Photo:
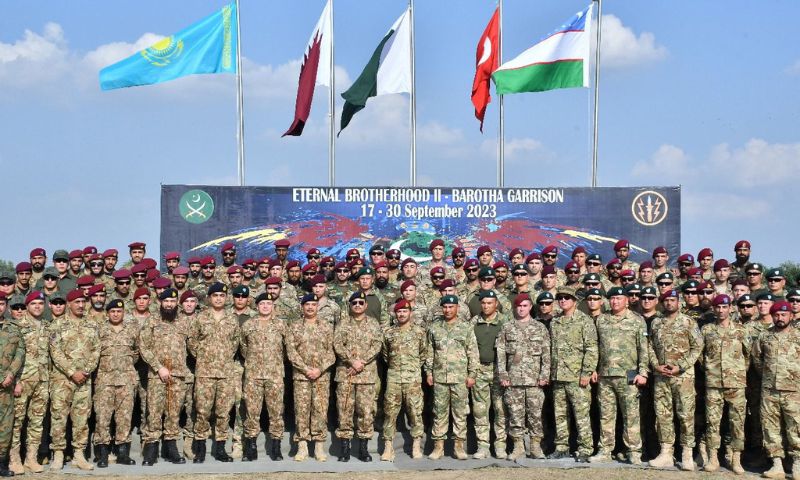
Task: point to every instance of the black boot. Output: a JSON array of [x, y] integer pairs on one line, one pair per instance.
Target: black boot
[[276, 449], [344, 454], [173, 455], [101, 454], [150, 454], [124, 454], [249, 449], [219, 453], [164, 453], [4, 471], [199, 449], [363, 453]]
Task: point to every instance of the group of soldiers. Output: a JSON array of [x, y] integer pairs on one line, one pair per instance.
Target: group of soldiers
[[529, 350]]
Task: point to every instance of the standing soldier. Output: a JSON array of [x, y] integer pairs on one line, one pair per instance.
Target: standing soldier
[[263, 347], [75, 351], [675, 346], [404, 351], [450, 366], [12, 355], [726, 354], [243, 312], [188, 311], [357, 342], [776, 353], [163, 342], [213, 341], [309, 348], [621, 370], [574, 352], [115, 384], [328, 309], [523, 365]]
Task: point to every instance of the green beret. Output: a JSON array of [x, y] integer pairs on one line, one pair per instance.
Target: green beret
[[241, 291], [754, 266], [545, 297], [666, 276], [591, 277], [689, 285], [486, 272], [632, 287], [615, 292], [448, 300], [649, 292], [365, 271], [765, 296], [594, 292], [487, 294]]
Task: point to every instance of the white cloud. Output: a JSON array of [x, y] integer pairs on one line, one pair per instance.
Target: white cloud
[[723, 206], [113, 52], [622, 48], [758, 163], [668, 162], [35, 47]]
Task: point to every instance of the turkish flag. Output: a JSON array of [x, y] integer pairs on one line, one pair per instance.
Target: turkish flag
[[486, 57]]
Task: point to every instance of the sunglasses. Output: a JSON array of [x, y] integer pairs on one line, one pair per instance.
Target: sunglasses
[[664, 284], [545, 303], [748, 305], [793, 300], [358, 302], [229, 254], [209, 267], [521, 274], [95, 264], [594, 299], [50, 279], [342, 270], [140, 275], [240, 296], [633, 294], [6, 283], [487, 279], [753, 274], [309, 274], [250, 267], [460, 255], [592, 284], [313, 256], [58, 303], [377, 254], [394, 256], [438, 277], [691, 293], [593, 264], [18, 307], [774, 280], [60, 260], [472, 269], [561, 298], [550, 255], [615, 267], [648, 298], [708, 292]]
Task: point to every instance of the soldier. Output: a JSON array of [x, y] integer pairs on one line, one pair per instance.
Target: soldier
[[434, 308], [459, 256], [621, 371], [213, 341], [341, 284], [393, 262], [579, 257], [75, 351], [110, 258], [263, 348], [488, 278], [776, 283], [376, 304], [485, 256], [24, 274], [520, 276], [282, 251], [243, 312], [450, 368], [523, 366], [549, 258], [309, 348], [137, 251], [115, 384], [726, 353], [180, 278], [38, 260], [705, 260], [327, 309], [387, 288], [775, 353], [660, 260], [31, 391], [12, 355], [647, 277], [188, 312], [122, 288], [573, 272], [286, 306], [404, 350], [755, 278], [648, 311], [436, 248], [487, 390], [756, 325], [66, 282], [97, 304], [172, 260], [722, 272], [574, 359], [675, 346], [739, 266], [534, 264]]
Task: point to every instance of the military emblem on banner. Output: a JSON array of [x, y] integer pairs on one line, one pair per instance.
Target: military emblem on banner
[[649, 208], [196, 206]]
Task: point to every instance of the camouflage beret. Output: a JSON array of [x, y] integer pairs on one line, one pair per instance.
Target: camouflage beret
[[564, 290]]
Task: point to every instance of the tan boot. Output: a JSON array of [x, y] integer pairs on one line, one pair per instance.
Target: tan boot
[[302, 451], [519, 449], [187, 448], [319, 452], [796, 469], [664, 459], [458, 450], [14, 462], [236, 450], [416, 449], [702, 455], [438, 450], [500, 450], [79, 461], [388, 451], [30, 461], [536, 449], [687, 460], [58, 460], [483, 452], [736, 464], [776, 471], [712, 462]]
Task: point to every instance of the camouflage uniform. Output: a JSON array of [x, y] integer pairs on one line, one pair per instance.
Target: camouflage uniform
[[263, 347], [574, 356], [487, 390], [523, 358], [474, 303], [675, 341], [115, 383], [213, 342], [163, 344], [310, 345], [329, 311], [622, 345], [352, 340], [237, 382], [12, 356], [726, 354], [775, 355], [754, 434], [35, 381], [404, 351], [452, 357], [74, 347]]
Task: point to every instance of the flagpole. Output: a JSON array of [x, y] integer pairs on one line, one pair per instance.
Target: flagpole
[[413, 100], [239, 98], [501, 129], [596, 91], [332, 113]]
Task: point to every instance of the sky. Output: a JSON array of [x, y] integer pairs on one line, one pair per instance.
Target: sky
[[698, 94]]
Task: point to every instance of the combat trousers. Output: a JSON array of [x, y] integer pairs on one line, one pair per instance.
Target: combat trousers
[[677, 393], [188, 406], [67, 399], [580, 399], [777, 406], [258, 391], [164, 401], [716, 398], [113, 401], [32, 403], [488, 391], [239, 408], [613, 391], [6, 420], [399, 395], [524, 404], [447, 397], [358, 399], [311, 408], [212, 394]]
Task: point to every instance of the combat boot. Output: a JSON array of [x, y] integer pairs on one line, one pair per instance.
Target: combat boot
[[58, 460], [172, 452], [79, 460], [124, 455], [736, 464], [536, 448], [664, 459], [712, 461], [602, 455], [500, 450], [14, 462], [236, 450], [163, 450], [4, 471], [702, 456], [416, 449], [344, 454], [438, 450], [796, 469], [388, 451], [458, 450], [101, 453], [687, 460], [247, 454], [776, 471], [363, 451], [276, 454], [219, 453], [519, 449], [30, 462], [634, 458], [319, 452], [199, 447], [188, 452], [483, 452], [302, 451], [149, 454]]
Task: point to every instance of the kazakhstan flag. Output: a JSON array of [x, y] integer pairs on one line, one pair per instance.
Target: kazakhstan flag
[[208, 46]]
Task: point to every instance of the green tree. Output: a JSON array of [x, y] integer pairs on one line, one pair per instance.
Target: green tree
[[6, 265], [792, 272]]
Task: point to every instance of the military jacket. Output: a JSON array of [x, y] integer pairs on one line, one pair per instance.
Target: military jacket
[[329, 311], [523, 353], [452, 352], [74, 345], [404, 350], [263, 348], [36, 336], [675, 341], [775, 355], [119, 351], [726, 355], [12, 351], [164, 343], [573, 347], [353, 340], [309, 345], [622, 342], [214, 343]]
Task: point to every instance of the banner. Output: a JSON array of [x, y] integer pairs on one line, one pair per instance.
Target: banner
[[197, 220]]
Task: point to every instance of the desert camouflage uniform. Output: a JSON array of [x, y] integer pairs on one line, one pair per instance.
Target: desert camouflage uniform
[[35, 381], [115, 383], [754, 433], [263, 347], [329, 311], [404, 350]]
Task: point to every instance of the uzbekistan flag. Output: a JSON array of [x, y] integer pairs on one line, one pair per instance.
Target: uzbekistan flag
[[560, 60]]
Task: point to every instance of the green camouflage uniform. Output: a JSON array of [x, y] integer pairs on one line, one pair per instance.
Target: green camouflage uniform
[[35, 381], [263, 346], [404, 350], [12, 355], [487, 390], [753, 431], [115, 384], [329, 311]]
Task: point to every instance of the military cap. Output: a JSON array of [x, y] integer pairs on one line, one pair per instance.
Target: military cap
[[73, 295], [668, 294], [649, 292], [632, 287], [327, 261], [357, 296], [548, 270], [8, 274], [773, 273], [98, 288], [194, 261], [754, 266], [615, 292], [781, 306], [458, 251], [627, 273], [264, 296], [139, 268], [720, 264], [353, 252], [50, 272], [181, 270], [241, 291], [437, 242], [436, 271], [172, 256], [187, 295], [365, 271], [533, 256], [448, 300], [282, 243], [309, 267], [217, 287], [706, 252], [646, 264], [487, 294], [564, 290], [90, 250], [152, 275], [292, 264], [594, 257], [665, 276], [23, 267], [686, 258], [205, 261], [793, 293], [58, 295], [313, 252], [690, 285], [545, 297], [162, 282], [308, 297], [613, 262], [519, 268], [137, 245], [401, 304], [168, 293], [76, 254], [550, 249], [395, 253], [356, 262], [516, 251], [228, 247], [694, 271], [484, 249], [500, 264], [121, 274], [591, 277], [470, 262], [116, 303], [340, 266], [521, 297], [578, 250], [273, 281], [744, 298], [234, 269], [38, 252], [141, 292], [572, 267], [741, 244], [594, 292], [621, 244], [705, 285], [95, 257], [486, 272], [34, 295], [111, 252], [659, 250], [149, 263], [765, 296], [85, 281], [275, 263], [249, 261], [721, 300], [60, 255], [407, 261], [446, 283]]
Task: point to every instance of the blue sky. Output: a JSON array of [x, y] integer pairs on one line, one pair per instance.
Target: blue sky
[[692, 93]]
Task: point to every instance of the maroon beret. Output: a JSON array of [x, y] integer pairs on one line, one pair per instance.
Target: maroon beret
[[181, 270], [152, 275], [721, 300], [614, 261], [577, 251], [3, 296], [694, 271], [521, 297], [550, 249], [621, 244], [500, 264], [162, 282], [484, 249], [686, 258], [85, 281], [572, 267], [111, 252], [207, 261], [742, 244], [646, 264], [327, 260], [352, 251], [446, 283], [309, 267], [658, 250], [706, 252], [90, 250], [313, 251], [471, 262], [234, 269], [456, 251], [34, 295], [720, 264], [436, 243], [781, 306], [668, 294], [38, 252], [406, 284], [283, 243], [121, 273], [533, 256], [249, 261], [739, 281], [187, 295], [340, 265], [401, 304], [516, 251], [627, 273], [24, 267], [75, 295], [172, 256], [139, 268], [227, 246], [272, 281], [275, 263], [149, 263], [137, 245], [407, 261], [194, 261], [292, 264], [548, 270], [96, 289], [141, 292], [380, 264], [95, 256], [436, 270], [75, 254], [317, 279]]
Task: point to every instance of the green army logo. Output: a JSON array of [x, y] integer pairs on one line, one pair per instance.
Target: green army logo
[[196, 206]]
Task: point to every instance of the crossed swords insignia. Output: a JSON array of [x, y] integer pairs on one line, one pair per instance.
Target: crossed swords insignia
[[195, 211]]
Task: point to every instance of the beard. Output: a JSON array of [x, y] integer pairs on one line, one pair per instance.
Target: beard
[[381, 282], [330, 275], [98, 305], [169, 313], [780, 325]]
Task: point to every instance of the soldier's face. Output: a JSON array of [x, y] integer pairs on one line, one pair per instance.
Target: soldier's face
[[521, 278], [722, 311], [593, 266], [77, 307], [485, 259], [208, 271], [764, 306], [579, 258], [189, 305], [649, 303], [169, 304], [50, 283], [319, 289], [218, 300], [545, 308], [670, 304], [274, 290], [550, 258], [410, 270], [781, 319], [722, 274], [342, 274], [235, 279], [248, 271], [61, 265], [795, 302], [310, 309], [265, 307], [646, 275], [115, 315], [549, 281], [747, 310], [172, 264], [502, 274], [623, 253], [740, 290], [594, 303], [17, 311], [179, 281], [403, 316], [281, 253], [263, 270], [36, 308], [276, 271], [660, 259], [472, 273], [754, 278], [618, 303], [38, 262], [566, 302], [488, 283], [488, 306], [99, 300], [517, 259], [123, 286], [294, 274], [358, 306], [97, 267], [58, 308], [776, 284], [3, 306], [437, 253], [523, 310], [137, 254], [450, 311], [75, 264], [24, 278], [573, 276], [194, 269], [110, 262], [365, 282], [382, 272], [742, 254], [705, 262], [142, 303], [229, 257], [240, 302]]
